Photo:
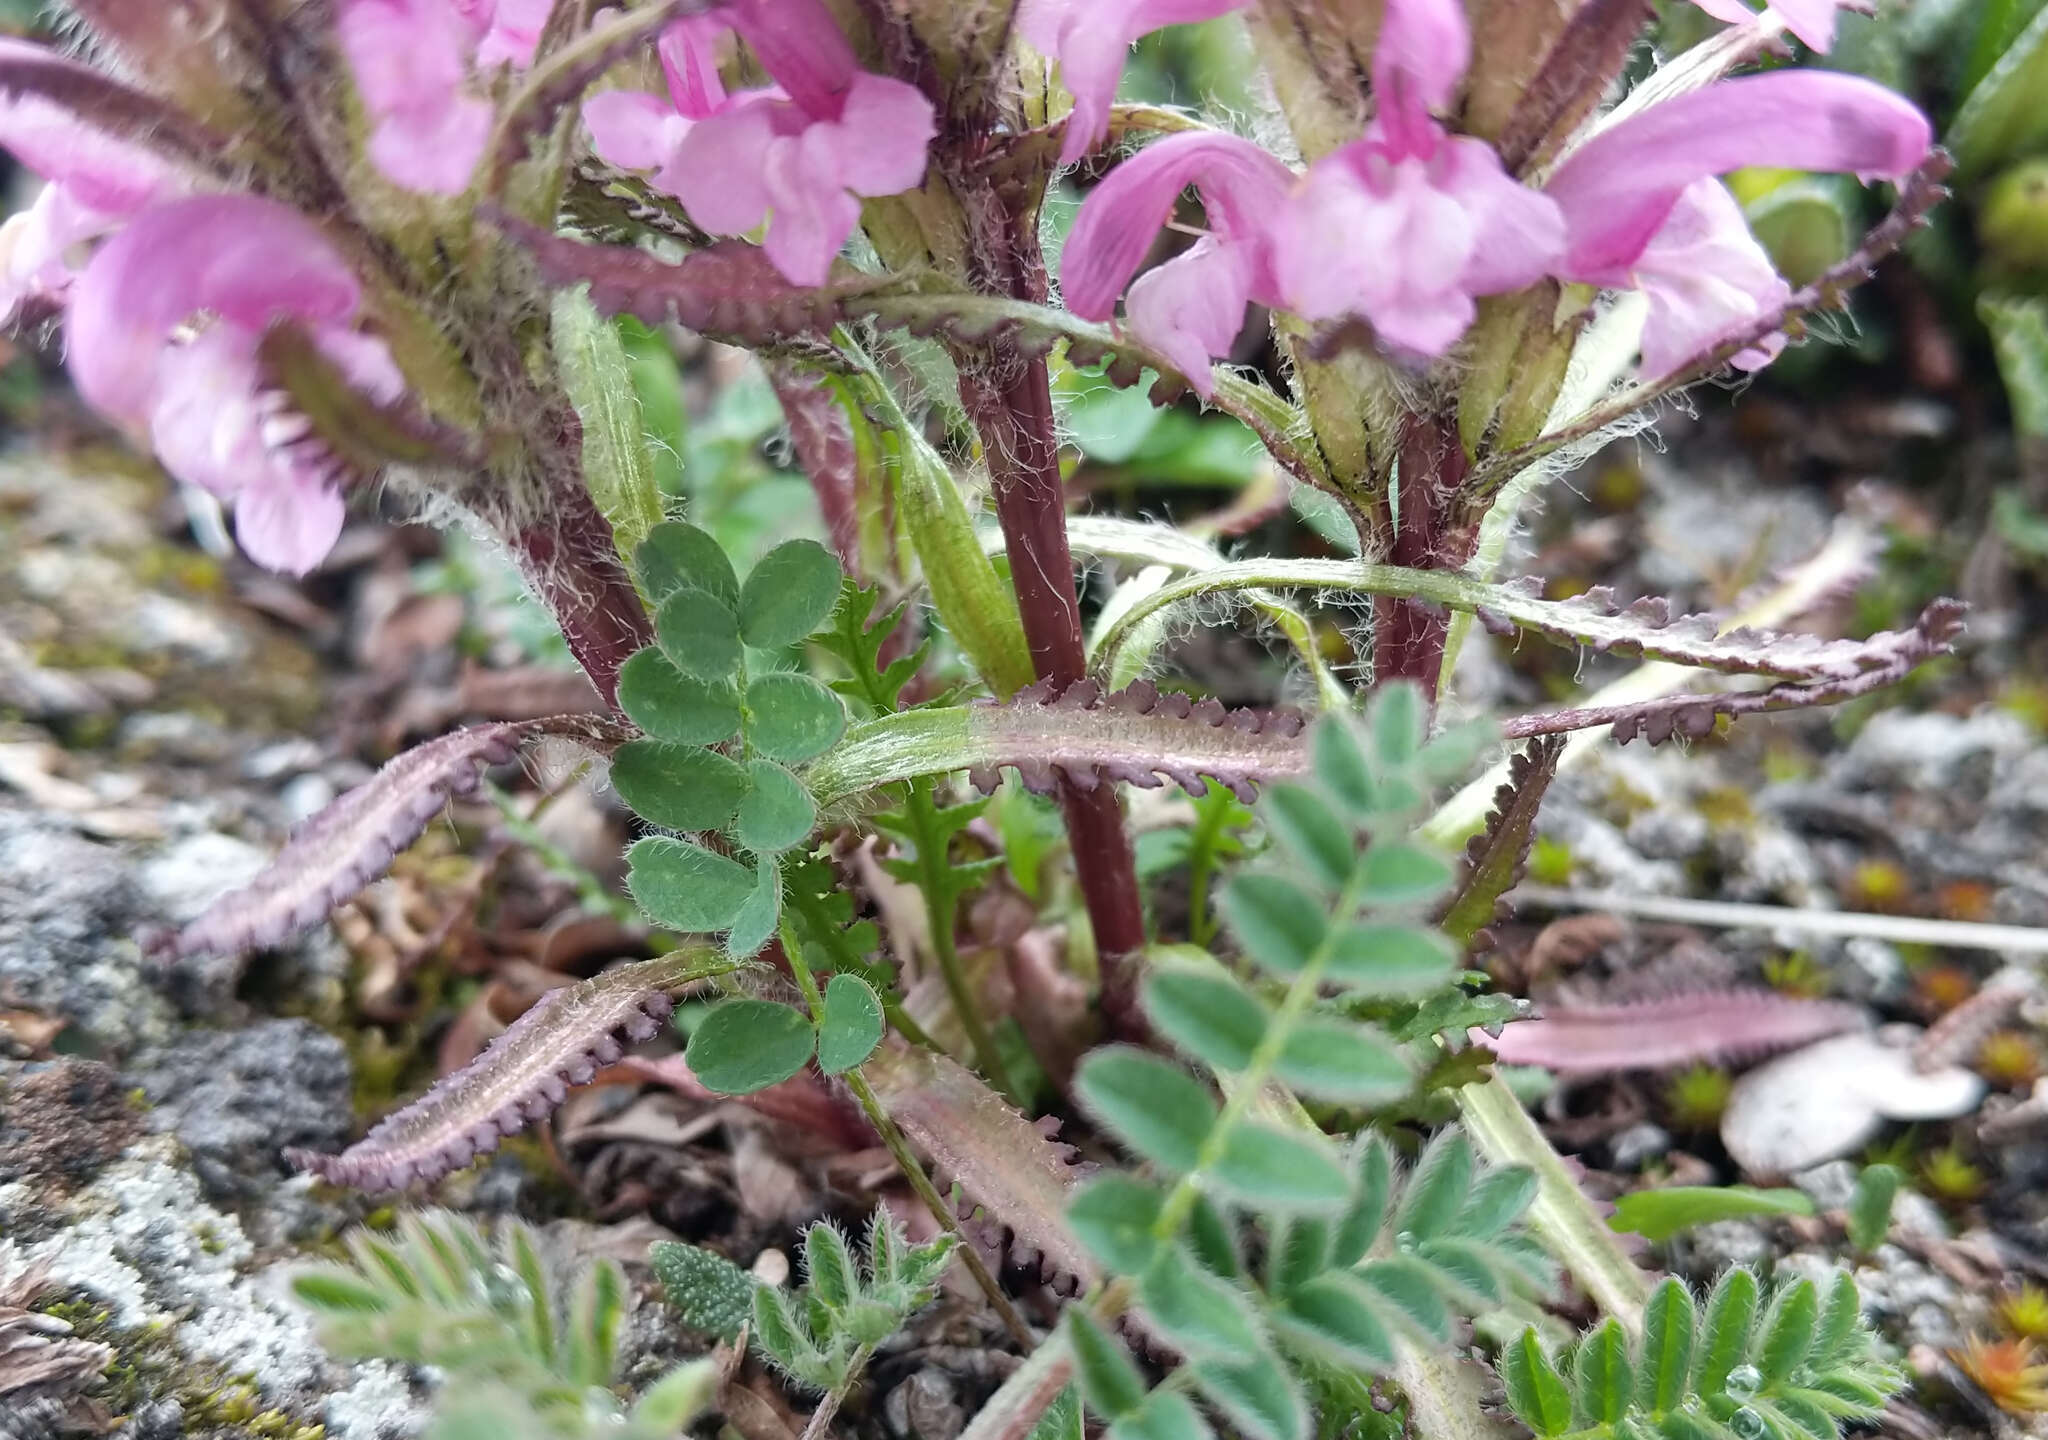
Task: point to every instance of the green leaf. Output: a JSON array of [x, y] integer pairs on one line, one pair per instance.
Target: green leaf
[[1397, 874], [679, 787], [1398, 719], [699, 634], [1159, 1110], [859, 645], [1470, 1274], [1199, 1313], [2002, 116], [828, 1266], [778, 812], [1666, 1359], [1724, 1332], [1340, 767], [743, 1046], [1870, 1208], [1536, 1392], [851, 1026], [1786, 1332], [1112, 1215], [792, 717], [1657, 1215], [617, 460], [1436, 1192], [1205, 1013], [1308, 828], [760, 916], [1109, 1381], [1408, 1287], [788, 595], [593, 1332], [776, 1328], [1337, 1061], [1258, 1395], [1278, 923], [338, 1292], [685, 887], [1165, 1415], [1336, 1313], [669, 705], [1496, 1201], [1213, 1239], [668, 1406], [2019, 343], [1398, 962], [1276, 1170], [1373, 1170], [675, 554], [1840, 1337], [1602, 1374], [710, 1292], [1298, 1252]]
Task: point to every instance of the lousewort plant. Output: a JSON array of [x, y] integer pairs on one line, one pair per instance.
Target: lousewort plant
[[301, 250]]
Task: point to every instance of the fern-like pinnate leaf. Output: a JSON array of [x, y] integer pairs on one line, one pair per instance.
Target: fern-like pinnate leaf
[[338, 851], [1797, 1372], [1495, 858], [520, 1078], [489, 1313]]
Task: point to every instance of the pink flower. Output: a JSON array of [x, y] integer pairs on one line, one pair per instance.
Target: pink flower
[[1192, 306], [798, 157], [95, 182], [1406, 225], [1642, 209], [1090, 39], [163, 332], [1813, 21], [1705, 278], [412, 61], [1618, 187]]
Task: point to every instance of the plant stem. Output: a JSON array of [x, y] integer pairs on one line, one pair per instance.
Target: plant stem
[[907, 1162], [820, 1423], [573, 565], [940, 904], [1407, 637]]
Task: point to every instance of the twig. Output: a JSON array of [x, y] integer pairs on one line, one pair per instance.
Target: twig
[[820, 1423], [1730, 915]]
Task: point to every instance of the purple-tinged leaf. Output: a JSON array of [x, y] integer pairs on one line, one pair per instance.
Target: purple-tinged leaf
[[1857, 668], [1003, 1161], [1575, 76], [563, 1039], [344, 428], [1956, 1037], [338, 851], [102, 103], [821, 434], [1494, 859], [1670, 1031]]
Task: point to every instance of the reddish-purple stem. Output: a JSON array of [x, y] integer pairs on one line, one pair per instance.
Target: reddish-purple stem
[[573, 564], [1409, 635]]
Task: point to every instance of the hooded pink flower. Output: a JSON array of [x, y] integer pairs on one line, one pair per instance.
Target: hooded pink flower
[[412, 61], [799, 156], [95, 182], [1621, 193], [1192, 306], [162, 336], [1813, 21], [1407, 224], [1090, 40]]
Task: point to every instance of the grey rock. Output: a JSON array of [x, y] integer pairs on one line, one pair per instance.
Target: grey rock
[[238, 1098], [1913, 1300], [1930, 751], [305, 797], [1875, 967], [1639, 1144], [1713, 1248], [1830, 1186], [68, 912], [183, 879]]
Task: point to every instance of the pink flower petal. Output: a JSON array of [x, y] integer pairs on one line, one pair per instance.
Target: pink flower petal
[[514, 32], [689, 60], [290, 523], [720, 168], [1090, 40], [206, 426], [1705, 277], [410, 59], [1519, 232], [878, 144], [1242, 186], [1617, 188], [242, 259], [1192, 307], [1423, 49], [633, 130], [813, 212], [801, 45]]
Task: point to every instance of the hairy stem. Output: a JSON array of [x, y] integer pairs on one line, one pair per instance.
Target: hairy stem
[[908, 1163], [1014, 416], [932, 867], [1408, 637], [573, 564], [820, 1423]]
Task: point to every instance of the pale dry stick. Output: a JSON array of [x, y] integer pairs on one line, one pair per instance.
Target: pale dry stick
[[1730, 915]]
